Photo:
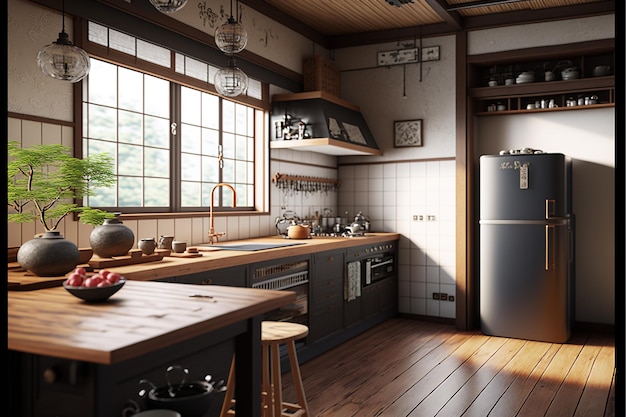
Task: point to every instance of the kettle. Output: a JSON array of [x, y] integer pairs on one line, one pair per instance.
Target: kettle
[[298, 231]]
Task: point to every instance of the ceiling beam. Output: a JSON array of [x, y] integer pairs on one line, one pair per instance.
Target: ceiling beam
[[452, 18], [537, 16], [474, 23]]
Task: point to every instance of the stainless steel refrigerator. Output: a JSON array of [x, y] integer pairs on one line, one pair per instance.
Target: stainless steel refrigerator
[[526, 246]]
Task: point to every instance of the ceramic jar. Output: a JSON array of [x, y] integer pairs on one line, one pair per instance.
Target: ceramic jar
[[147, 245], [112, 238], [49, 255]]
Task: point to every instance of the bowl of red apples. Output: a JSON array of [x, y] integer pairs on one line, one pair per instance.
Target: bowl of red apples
[[95, 287]]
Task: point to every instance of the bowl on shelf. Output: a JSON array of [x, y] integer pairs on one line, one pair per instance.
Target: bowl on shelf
[[570, 74], [601, 71], [95, 294], [525, 77]]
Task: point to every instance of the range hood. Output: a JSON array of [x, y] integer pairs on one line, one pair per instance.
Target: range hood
[[320, 122]]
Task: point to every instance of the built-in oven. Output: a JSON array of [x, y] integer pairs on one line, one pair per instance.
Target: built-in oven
[[285, 276], [378, 261], [378, 267]]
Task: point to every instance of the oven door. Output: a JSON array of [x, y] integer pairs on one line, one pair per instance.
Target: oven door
[[378, 268]]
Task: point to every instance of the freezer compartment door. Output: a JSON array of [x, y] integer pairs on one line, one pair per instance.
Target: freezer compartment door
[[525, 285], [514, 187]]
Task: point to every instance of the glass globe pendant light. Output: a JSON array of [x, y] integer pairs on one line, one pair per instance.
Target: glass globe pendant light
[[231, 37], [231, 81], [62, 59], [168, 6]]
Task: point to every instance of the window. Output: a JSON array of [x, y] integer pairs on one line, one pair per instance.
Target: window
[[171, 143]]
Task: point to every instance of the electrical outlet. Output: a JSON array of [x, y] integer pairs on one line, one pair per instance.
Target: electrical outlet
[[443, 296], [436, 296], [451, 298]]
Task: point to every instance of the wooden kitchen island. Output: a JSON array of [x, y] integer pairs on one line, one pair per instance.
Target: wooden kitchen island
[[72, 358]]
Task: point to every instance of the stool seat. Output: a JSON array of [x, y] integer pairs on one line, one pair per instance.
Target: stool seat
[[282, 331], [273, 334]]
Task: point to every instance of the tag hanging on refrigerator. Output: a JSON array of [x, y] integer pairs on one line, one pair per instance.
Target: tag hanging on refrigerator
[[523, 177]]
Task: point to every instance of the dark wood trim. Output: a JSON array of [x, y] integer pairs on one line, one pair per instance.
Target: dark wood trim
[[473, 23], [465, 288], [39, 119], [544, 52], [524, 17], [399, 161]]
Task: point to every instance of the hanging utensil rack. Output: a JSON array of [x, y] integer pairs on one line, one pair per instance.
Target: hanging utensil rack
[[305, 184]]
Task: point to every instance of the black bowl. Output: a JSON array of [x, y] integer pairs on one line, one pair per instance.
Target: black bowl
[[95, 294], [191, 399]]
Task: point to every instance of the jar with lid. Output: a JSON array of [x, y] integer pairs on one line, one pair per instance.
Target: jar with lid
[[112, 238]]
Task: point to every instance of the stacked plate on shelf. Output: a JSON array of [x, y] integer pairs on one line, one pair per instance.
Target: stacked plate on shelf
[[525, 77]]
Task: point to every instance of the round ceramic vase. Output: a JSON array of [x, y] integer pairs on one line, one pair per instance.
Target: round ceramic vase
[[49, 255], [112, 238]]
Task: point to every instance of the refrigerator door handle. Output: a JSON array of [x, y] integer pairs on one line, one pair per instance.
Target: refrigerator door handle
[[550, 241], [550, 208]]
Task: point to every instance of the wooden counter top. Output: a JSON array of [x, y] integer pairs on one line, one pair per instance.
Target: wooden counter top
[[139, 318], [171, 266]]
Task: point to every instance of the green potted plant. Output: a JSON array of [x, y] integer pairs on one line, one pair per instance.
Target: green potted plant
[[44, 183]]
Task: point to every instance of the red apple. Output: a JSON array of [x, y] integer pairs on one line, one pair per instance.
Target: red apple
[[113, 277], [92, 281]]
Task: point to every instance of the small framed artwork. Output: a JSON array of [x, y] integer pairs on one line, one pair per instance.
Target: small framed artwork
[[407, 133], [430, 53]]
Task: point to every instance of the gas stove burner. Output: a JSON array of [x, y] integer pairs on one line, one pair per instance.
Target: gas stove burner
[[358, 234], [324, 234]]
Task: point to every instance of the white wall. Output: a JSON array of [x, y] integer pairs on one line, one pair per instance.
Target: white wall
[[389, 191], [388, 94]]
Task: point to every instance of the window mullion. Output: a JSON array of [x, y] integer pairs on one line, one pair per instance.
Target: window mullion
[[175, 143]]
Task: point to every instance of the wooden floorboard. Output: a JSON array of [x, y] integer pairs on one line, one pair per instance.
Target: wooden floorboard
[[405, 367]]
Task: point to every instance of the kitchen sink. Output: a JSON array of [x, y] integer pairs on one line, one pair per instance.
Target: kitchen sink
[[254, 246]]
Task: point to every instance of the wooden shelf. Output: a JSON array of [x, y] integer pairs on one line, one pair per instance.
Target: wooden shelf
[[515, 98], [557, 109], [327, 146], [544, 87]]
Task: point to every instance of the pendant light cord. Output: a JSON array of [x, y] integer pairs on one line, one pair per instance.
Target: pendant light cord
[[63, 16]]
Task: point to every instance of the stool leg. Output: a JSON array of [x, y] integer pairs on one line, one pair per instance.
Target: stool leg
[[276, 381], [230, 390], [297, 378], [266, 403]]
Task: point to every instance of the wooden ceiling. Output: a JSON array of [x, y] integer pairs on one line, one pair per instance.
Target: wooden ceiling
[[341, 23]]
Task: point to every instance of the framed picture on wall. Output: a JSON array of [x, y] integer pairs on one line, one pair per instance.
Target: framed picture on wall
[[407, 133], [430, 53]]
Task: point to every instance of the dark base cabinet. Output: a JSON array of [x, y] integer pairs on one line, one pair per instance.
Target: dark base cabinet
[[333, 319], [69, 388], [380, 297], [326, 295], [237, 276]]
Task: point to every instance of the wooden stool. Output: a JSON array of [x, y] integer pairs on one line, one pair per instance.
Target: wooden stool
[[273, 334]]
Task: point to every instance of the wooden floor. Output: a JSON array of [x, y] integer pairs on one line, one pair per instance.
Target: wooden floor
[[407, 367]]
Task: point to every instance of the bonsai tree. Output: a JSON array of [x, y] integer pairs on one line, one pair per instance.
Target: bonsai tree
[[44, 183]]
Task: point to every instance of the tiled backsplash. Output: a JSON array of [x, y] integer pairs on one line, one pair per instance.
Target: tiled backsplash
[[417, 200]]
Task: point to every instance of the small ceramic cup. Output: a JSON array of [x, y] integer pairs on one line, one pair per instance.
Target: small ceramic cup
[[179, 246]]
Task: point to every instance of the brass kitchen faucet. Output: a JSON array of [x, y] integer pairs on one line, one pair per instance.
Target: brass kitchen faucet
[[212, 234]]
